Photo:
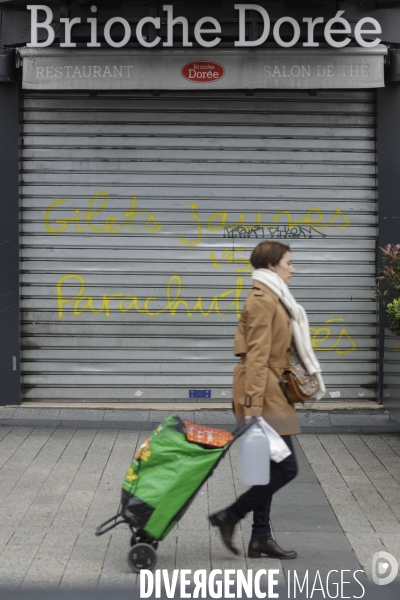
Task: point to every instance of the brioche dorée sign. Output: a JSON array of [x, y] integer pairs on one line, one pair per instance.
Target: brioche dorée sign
[[202, 71], [178, 69], [337, 31]]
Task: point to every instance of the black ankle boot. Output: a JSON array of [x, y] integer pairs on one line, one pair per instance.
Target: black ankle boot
[[267, 546], [226, 525]]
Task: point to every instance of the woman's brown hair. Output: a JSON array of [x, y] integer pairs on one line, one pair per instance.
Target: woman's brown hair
[[268, 253]]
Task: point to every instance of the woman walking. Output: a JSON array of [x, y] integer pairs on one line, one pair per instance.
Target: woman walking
[[270, 321]]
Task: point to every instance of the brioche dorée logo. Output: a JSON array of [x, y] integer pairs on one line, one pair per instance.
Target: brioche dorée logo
[[203, 71], [337, 31]]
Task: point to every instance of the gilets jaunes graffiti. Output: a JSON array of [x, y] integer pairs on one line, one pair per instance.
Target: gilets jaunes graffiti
[[139, 220]]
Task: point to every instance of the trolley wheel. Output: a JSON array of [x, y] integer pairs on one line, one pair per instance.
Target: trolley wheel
[[140, 539], [142, 556]]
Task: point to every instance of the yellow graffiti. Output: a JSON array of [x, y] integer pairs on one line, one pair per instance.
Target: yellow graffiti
[[323, 334], [195, 216], [80, 303], [396, 346], [219, 221], [312, 218], [97, 204], [91, 220], [229, 256]]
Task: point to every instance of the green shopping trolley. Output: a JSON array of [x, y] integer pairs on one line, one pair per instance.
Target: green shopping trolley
[[162, 481]]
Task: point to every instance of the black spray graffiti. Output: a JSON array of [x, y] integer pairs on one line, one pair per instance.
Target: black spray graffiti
[[273, 232]]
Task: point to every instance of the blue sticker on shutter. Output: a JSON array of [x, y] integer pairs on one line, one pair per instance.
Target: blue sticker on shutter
[[199, 393]]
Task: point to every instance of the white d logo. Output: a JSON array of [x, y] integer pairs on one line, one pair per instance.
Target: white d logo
[[382, 568]]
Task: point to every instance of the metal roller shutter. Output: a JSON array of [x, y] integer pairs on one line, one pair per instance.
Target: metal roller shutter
[[139, 214]]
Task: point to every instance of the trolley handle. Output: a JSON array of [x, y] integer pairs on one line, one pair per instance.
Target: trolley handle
[[243, 427]]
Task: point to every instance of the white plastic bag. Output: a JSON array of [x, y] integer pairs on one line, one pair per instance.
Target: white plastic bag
[[254, 456], [279, 450]]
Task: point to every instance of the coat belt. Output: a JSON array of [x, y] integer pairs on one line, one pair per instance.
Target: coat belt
[[273, 364]]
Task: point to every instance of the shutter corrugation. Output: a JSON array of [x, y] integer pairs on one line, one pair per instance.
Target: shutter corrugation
[[139, 214]]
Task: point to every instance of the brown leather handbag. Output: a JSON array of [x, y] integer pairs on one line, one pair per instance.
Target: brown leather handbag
[[297, 384]]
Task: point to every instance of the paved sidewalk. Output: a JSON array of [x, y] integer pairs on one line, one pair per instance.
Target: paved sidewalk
[[58, 484], [352, 417], [360, 476]]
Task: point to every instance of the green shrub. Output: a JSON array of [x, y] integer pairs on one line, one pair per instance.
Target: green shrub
[[388, 289], [393, 313], [389, 276]]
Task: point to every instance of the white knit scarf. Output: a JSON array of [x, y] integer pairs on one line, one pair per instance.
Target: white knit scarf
[[298, 317]]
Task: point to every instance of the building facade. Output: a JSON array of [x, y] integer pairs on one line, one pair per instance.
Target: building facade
[[147, 148]]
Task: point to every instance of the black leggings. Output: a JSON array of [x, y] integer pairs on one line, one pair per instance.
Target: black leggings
[[259, 497]]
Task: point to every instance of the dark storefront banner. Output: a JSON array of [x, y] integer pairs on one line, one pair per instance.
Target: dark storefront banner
[[57, 69]]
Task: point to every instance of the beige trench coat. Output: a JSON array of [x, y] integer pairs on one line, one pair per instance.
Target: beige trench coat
[[263, 340]]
